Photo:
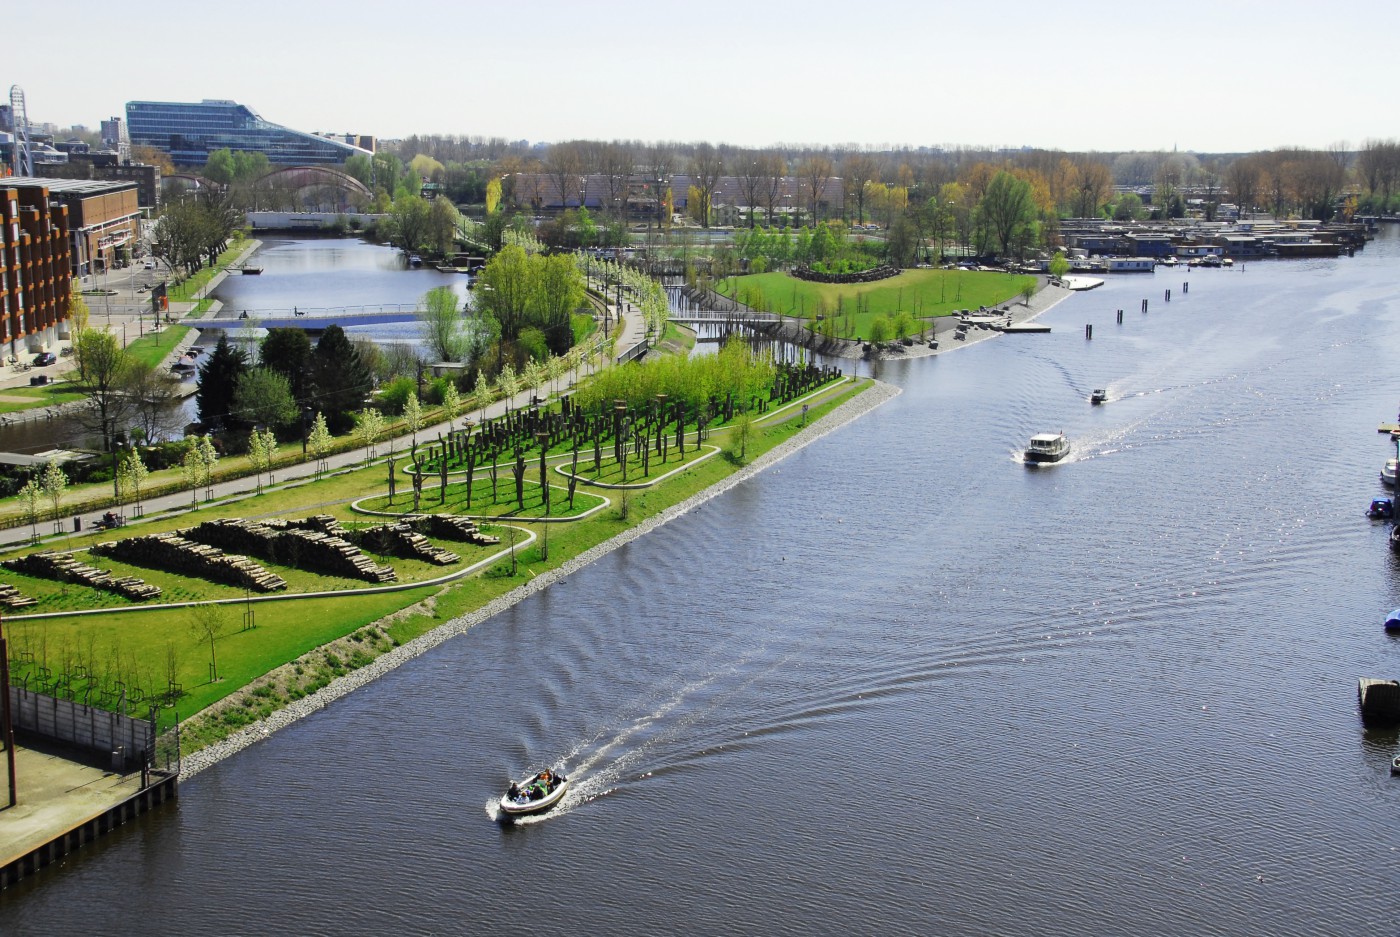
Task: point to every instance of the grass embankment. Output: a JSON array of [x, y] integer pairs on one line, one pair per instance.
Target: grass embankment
[[923, 294], [153, 649], [192, 287]]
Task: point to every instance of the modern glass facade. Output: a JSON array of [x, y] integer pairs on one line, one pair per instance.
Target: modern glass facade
[[190, 132]]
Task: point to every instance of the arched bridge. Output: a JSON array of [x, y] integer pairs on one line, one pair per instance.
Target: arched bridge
[[303, 177]]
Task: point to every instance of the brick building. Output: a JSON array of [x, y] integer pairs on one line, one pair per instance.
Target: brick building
[[36, 268]]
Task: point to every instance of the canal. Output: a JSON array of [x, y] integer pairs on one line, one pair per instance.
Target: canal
[[900, 682]]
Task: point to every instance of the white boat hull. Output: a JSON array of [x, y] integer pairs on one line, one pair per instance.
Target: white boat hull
[[516, 808]]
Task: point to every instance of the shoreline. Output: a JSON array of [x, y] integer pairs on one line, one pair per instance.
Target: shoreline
[[191, 765]]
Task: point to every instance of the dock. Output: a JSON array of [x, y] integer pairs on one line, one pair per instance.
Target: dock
[[1379, 700], [1388, 428], [1026, 327]]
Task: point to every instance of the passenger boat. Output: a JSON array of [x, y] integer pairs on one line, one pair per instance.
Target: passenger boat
[[1047, 447], [1380, 509], [535, 794], [1098, 395], [1388, 471]]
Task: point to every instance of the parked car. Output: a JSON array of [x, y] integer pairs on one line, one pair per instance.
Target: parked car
[[149, 264], [44, 358]]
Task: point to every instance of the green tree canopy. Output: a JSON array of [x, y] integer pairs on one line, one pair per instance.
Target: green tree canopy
[[288, 352], [340, 380], [218, 381], [264, 397]]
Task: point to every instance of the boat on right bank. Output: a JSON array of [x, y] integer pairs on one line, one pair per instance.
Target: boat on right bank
[[1046, 448]]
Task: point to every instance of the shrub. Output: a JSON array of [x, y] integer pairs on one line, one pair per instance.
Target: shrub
[[393, 395]]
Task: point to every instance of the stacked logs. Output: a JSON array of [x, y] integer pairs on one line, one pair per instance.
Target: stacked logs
[[311, 550], [402, 540], [63, 567], [172, 552], [451, 527], [10, 597]]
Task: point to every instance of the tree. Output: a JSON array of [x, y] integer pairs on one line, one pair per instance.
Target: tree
[[340, 381], [1128, 207], [218, 382], [288, 352], [368, 429], [319, 440], [509, 384], [408, 222], [208, 621], [505, 290], [706, 166], [451, 402], [361, 168], [262, 448], [816, 171], [54, 483], [154, 397], [131, 477], [481, 396], [103, 367], [1059, 266], [443, 324], [1007, 208], [413, 414], [857, 169], [263, 397], [208, 458], [493, 195], [78, 314], [29, 497], [558, 292], [443, 220], [740, 432]]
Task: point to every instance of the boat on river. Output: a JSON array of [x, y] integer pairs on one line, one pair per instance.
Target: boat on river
[[1395, 765], [1047, 447], [1380, 509], [250, 271], [1098, 395], [535, 794], [1389, 470]]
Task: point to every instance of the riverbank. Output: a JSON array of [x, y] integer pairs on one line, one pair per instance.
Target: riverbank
[[845, 413]]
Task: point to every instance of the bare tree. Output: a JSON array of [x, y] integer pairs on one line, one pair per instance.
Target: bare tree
[[774, 170], [564, 167], [856, 170], [815, 172], [706, 166], [616, 163]]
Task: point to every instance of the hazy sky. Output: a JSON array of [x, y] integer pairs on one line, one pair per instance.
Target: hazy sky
[[1209, 77]]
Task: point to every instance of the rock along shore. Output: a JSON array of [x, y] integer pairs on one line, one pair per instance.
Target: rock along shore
[[852, 409]]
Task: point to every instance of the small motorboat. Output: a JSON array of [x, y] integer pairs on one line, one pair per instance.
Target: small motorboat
[[535, 794], [1388, 472], [1392, 621], [1047, 447], [1098, 395], [1395, 765], [1380, 509]]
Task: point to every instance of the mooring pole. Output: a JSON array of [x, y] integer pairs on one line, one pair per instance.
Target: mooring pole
[[6, 726]]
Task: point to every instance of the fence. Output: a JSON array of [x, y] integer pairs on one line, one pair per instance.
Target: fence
[[129, 742]]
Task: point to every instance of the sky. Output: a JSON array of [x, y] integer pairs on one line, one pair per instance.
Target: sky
[[1222, 77]]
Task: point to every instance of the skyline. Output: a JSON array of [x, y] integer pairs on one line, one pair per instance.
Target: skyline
[[750, 75]]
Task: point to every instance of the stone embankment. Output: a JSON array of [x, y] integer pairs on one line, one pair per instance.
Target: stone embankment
[[851, 410]]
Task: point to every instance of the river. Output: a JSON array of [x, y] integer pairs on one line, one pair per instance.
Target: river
[[899, 683]]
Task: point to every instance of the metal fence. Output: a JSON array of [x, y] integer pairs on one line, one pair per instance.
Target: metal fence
[[129, 743]]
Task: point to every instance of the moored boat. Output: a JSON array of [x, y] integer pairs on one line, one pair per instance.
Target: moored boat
[[535, 794], [1380, 509], [1392, 621], [1395, 765], [1389, 470], [1047, 447]]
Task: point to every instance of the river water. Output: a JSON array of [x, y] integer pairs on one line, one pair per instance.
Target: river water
[[899, 683]]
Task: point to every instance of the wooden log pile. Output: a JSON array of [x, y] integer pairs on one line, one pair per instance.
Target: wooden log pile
[[10, 597], [170, 551], [402, 540], [451, 527], [64, 567], [298, 547]]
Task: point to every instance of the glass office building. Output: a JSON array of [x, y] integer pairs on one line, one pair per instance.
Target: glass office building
[[190, 132]]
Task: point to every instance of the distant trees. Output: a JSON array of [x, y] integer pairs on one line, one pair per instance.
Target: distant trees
[[1007, 208], [192, 232], [520, 291], [443, 323], [339, 378]]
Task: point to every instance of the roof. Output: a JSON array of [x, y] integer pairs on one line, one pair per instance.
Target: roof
[[43, 458], [67, 186]]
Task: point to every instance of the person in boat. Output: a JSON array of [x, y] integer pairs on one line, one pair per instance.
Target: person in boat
[[514, 792]]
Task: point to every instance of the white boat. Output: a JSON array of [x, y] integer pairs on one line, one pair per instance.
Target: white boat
[[535, 794], [1395, 765], [1388, 471], [1098, 395], [1047, 447]]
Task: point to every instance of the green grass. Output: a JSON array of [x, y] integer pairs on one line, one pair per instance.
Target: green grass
[[186, 290], [924, 294], [140, 648], [46, 396], [153, 347]]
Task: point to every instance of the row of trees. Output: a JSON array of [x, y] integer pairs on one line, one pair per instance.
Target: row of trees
[[193, 231]]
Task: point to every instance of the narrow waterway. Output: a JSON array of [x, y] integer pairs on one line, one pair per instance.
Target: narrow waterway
[[900, 683]]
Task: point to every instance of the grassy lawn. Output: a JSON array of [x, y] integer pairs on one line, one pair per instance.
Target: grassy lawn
[[482, 504], [924, 294], [152, 649], [186, 290], [151, 349], [45, 396]]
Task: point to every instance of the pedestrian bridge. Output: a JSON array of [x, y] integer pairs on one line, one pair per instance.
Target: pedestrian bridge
[[719, 317]]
